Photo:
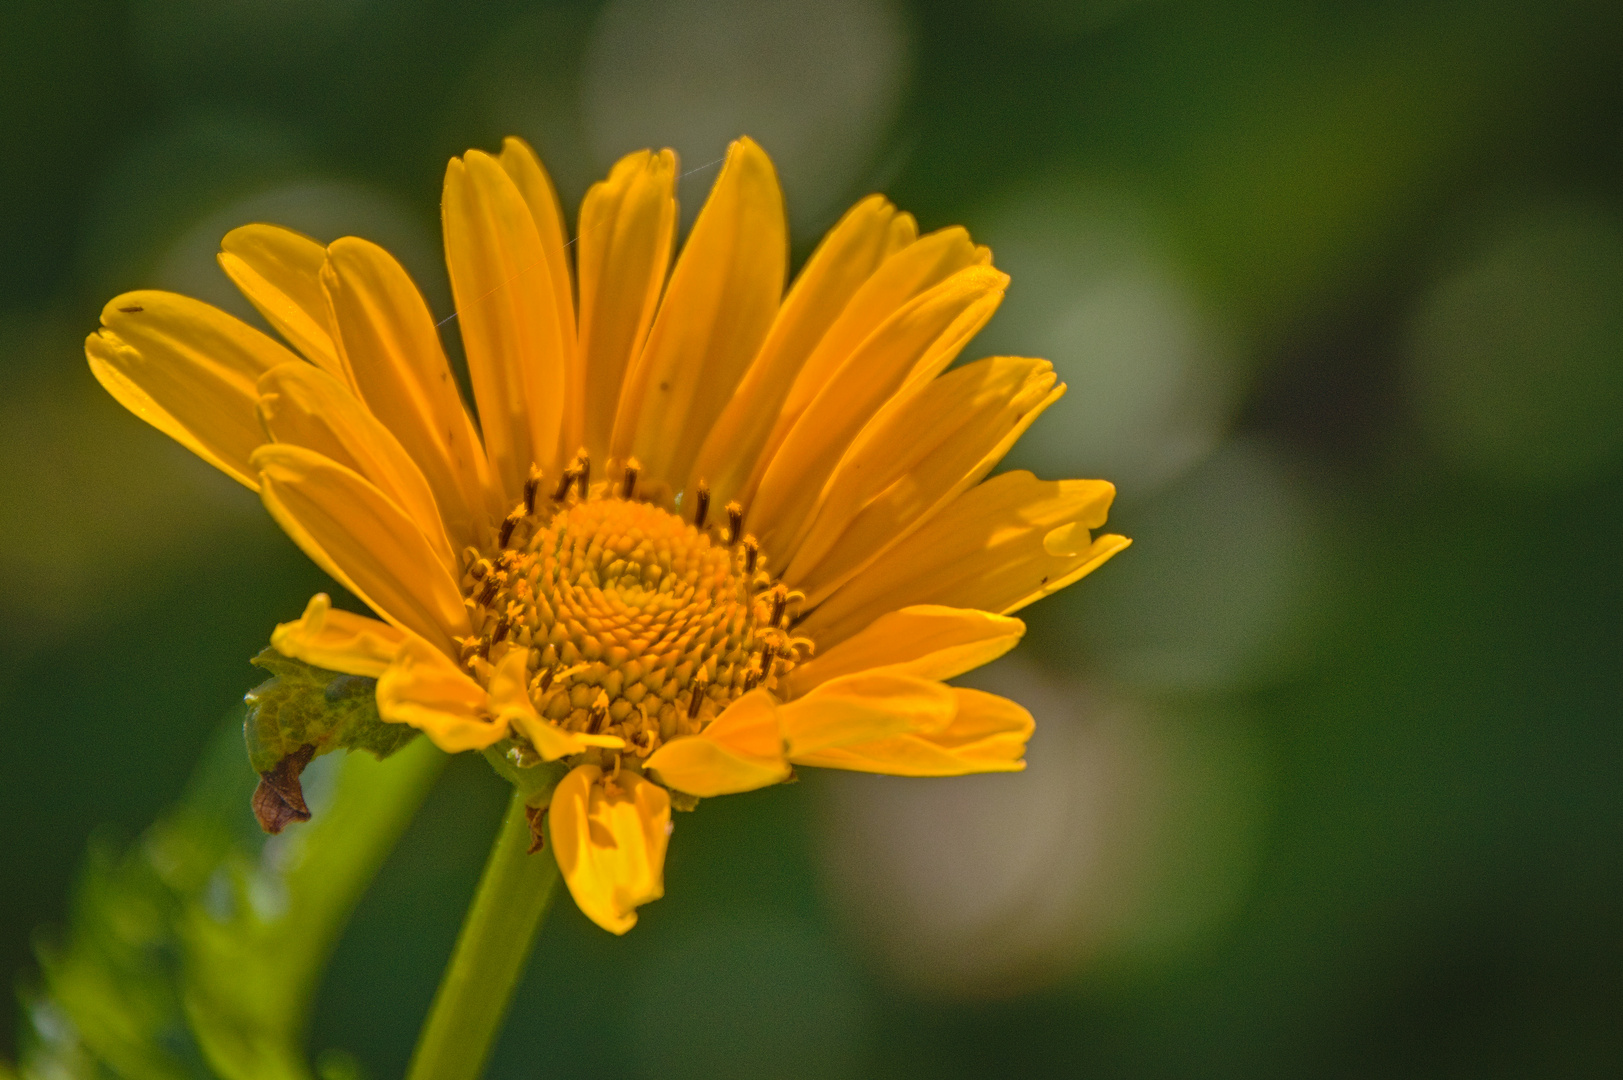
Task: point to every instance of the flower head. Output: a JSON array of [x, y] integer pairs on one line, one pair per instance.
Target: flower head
[[703, 530]]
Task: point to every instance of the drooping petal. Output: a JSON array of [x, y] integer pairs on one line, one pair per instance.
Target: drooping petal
[[386, 335], [302, 405], [511, 704], [530, 176], [627, 231], [189, 370], [845, 259], [359, 536], [997, 547], [279, 271], [926, 641], [927, 332], [862, 707], [921, 452], [425, 689], [740, 750], [338, 640], [609, 836], [987, 734], [721, 301], [506, 308]]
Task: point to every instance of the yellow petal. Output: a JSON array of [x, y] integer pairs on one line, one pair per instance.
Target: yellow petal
[[338, 640], [627, 231], [387, 337], [189, 370], [722, 297], [846, 258], [506, 308], [425, 689], [359, 536], [931, 328], [990, 548], [302, 405], [987, 734], [511, 704], [926, 641], [862, 707], [913, 266], [740, 750], [903, 277], [520, 162], [609, 837], [279, 271], [921, 452]]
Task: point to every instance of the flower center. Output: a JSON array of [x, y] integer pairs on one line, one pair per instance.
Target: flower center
[[638, 622]]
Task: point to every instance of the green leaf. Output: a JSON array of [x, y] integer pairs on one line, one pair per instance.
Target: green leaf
[[302, 712], [195, 952]]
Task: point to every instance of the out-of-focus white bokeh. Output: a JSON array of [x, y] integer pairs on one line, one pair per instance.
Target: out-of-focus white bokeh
[[1094, 290], [1218, 590], [1124, 845], [818, 83], [1517, 352]]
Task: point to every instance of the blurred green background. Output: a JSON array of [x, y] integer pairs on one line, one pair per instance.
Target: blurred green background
[[1328, 779]]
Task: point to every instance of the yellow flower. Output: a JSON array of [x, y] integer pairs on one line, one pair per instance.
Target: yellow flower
[[703, 531]]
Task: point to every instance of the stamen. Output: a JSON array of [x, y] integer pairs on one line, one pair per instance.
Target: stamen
[[488, 593], [531, 486], [735, 523], [583, 475], [699, 687], [701, 504], [509, 523], [479, 569], [780, 604], [503, 625], [563, 484], [599, 712], [752, 552], [628, 487]]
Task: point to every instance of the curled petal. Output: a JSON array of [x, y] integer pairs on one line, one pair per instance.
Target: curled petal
[[423, 688], [279, 271], [740, 750], [338, 640], [609, 836], [988, 734], [189, 370], [862, 707], [510, 702]]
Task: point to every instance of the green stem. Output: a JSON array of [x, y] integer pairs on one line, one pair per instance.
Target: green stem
[[490, 954]]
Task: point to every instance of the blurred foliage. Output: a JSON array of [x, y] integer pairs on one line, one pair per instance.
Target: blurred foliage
[[195, 951]]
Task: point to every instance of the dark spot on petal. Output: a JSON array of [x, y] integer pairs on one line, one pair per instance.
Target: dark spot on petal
[[132, 309]]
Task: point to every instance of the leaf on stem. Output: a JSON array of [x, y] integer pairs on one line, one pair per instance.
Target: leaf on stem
[[300, 713]]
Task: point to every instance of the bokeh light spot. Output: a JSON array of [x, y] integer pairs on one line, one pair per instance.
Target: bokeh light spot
[[815, 83], [1517, 355]]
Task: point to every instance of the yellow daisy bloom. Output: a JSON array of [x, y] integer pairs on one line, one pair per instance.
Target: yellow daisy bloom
[[702, 531]]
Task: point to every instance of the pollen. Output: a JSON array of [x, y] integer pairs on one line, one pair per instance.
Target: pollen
[[637, 622]]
